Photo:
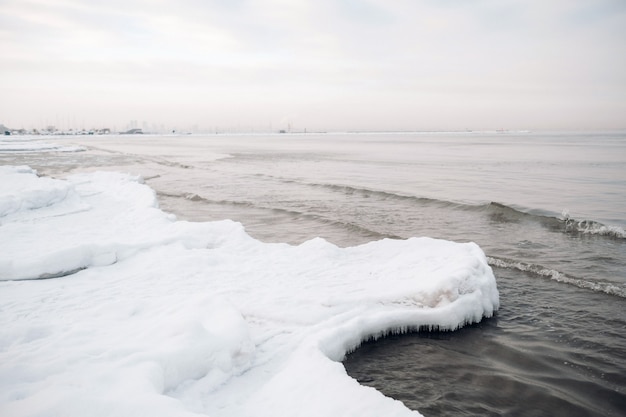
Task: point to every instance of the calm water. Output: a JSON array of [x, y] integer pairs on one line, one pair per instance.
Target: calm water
[[547, 208]]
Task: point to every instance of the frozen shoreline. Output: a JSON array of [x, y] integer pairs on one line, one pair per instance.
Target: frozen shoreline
[[166, 317]]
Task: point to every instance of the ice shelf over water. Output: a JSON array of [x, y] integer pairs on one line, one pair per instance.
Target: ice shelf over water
[[152, 316]]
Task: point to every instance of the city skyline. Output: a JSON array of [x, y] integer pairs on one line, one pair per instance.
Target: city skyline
[[316, 65]]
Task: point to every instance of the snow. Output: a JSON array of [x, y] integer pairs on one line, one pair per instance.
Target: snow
[[153, 316]]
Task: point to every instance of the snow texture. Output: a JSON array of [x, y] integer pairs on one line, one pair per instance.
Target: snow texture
[[152, 316]]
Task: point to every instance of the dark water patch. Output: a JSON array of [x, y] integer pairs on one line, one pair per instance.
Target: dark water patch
[[551, 350]]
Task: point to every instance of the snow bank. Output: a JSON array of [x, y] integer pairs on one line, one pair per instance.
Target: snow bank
[[21, 190], [168, 318]]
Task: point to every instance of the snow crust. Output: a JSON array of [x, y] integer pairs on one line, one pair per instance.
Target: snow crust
[[159, 317]]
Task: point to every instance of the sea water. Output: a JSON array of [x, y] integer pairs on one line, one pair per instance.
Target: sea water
[[547, 209]]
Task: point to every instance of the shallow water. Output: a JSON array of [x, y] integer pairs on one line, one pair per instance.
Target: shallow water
[[547, 208], [535, 358]]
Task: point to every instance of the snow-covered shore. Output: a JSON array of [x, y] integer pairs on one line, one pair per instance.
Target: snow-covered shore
[[147, 315]]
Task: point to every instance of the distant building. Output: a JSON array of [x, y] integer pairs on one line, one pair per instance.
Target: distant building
[[135, 131], [4, 130]]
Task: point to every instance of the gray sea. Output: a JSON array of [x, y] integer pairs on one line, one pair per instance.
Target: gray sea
[[548, 209]]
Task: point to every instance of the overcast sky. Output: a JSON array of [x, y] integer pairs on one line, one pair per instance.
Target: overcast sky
[[316, 64]]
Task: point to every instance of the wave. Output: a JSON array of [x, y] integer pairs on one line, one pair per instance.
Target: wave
[[367, 192], [198, 198], [592, 228], [352, 227], [543, 272], [564, 223], [497, 212]]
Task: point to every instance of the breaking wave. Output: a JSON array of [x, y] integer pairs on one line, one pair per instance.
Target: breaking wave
[[496, 211], [543, 272], [592, 228]]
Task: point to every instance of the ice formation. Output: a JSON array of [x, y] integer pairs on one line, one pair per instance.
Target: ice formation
[[147, 315]]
